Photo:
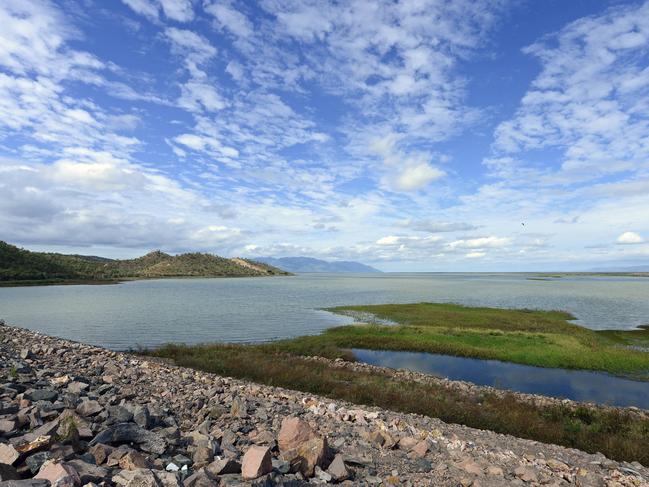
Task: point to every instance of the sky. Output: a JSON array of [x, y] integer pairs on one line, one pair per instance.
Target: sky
[[420, 135]]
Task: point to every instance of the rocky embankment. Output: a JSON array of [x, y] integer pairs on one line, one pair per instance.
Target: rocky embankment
[[73, 415]]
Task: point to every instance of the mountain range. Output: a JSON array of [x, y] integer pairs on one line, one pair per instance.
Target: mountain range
[[309, 264], [23, 266]]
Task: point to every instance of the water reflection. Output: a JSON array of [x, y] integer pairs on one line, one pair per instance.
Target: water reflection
[[577, 385]]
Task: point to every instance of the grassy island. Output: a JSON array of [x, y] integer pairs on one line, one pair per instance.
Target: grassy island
[[523, 336]]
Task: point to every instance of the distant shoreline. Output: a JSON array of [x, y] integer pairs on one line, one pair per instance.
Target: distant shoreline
[[102, 282]]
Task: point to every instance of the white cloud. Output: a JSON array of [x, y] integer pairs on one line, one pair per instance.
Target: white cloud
[[178, 10], [416, 176], [229, 18], [475, 255], [590, 101], [630, 238], [480, 243], [148, 8]]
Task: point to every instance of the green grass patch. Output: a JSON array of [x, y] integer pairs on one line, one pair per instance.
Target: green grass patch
[[618, 435], [530, 337]]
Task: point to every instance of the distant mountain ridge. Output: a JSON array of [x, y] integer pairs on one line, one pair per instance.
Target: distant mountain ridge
[[22, 266], [309, 264]]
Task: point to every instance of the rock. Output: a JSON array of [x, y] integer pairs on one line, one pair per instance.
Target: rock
[[101, 452], [202, 456], [322, 475], [28, 443], [223, 466], [337, 469], [7, 472], [35, 462], [308, 455], [129, 432], [26, 353], [89, 408], [420, 449], [407, 443], [469, 466], [526, 474], [134, 460], [294, 431], [200, 479], [42, 395], [256, 462], [119, 414], [168, 479], [142, 416], [88, 472], [59, 474], [7, 425], [77, 387], [495, 471], [239, 409], [137, 478], [8, 454]]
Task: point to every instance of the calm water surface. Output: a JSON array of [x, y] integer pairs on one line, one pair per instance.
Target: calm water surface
[[251, 309], [578, 385]]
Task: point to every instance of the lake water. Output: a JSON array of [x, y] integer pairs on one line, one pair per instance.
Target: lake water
[[153, 312], [578, 385]]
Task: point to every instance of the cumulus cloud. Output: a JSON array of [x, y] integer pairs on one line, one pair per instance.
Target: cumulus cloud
[[628, 238]]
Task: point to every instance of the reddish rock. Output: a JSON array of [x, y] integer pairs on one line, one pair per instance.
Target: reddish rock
[[8, 454], [407, 443], [101, 452], [256, 462], [420, 449], [134, 460], [294, 431], [59, 474]]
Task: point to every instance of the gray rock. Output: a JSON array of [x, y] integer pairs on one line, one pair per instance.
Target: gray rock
[[89, 408], [36, 461], [142, 416], [337, 469], [131, 433], [89, 472], [42, 395], [119, 414], [200, 479]]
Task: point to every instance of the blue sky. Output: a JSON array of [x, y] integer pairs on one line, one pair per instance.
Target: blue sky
[[418, 135]]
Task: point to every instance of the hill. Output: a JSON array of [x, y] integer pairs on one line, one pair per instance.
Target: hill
[[22, 266], [309, 264]]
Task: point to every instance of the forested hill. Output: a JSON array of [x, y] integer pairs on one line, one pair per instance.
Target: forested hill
[[23, 266]]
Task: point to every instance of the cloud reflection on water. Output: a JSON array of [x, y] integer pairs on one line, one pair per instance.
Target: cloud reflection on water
[[577, 385]]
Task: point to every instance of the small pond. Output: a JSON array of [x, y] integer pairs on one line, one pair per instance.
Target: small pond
[[578, 385]]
